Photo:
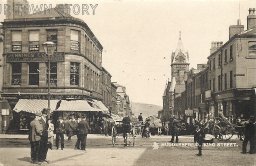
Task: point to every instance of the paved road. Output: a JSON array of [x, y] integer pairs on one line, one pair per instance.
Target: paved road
[[147, 152]]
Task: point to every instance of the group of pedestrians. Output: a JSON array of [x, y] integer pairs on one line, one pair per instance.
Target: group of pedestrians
[[42, 133]]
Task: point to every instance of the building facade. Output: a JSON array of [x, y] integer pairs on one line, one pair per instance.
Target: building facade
[[123, 101], [106, 88]]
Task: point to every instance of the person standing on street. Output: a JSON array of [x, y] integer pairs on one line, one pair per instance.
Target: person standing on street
[[199, 138], [34, 137], [50, 133], [44, 138], [60, 131], [249, 133], [175, 129], [83, 130]]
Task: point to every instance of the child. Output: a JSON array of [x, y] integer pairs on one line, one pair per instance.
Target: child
[[50, 133]]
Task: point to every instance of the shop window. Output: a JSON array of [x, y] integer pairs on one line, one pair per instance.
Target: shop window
[[74, 41], [16, 73], [74, 73], [53, 74], [33, 40], [16, 41], [33, 73]]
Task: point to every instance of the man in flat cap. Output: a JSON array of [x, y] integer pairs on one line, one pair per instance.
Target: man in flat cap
[[34, 137]]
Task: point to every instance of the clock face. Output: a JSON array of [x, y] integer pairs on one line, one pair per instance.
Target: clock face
[[180, 59]]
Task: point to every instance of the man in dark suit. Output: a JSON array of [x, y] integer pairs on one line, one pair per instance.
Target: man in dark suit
[[83, 130], [249, 136], [34, 137], [60, 131], [175, 129], [44, 137]]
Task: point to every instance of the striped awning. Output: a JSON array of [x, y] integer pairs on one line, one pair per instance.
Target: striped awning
[[75, 105], [34, 105]]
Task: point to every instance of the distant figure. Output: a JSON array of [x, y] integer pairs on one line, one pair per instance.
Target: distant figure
[[140, 118], [175, 129], [200, 138], [249, 134], [60, 131]]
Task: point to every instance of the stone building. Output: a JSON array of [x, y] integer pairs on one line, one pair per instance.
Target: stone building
[[113, 106], [75, 67], [106, 87], [123, 101], [232, 71]]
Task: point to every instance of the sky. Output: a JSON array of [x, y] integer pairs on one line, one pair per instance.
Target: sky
[[138, 36]]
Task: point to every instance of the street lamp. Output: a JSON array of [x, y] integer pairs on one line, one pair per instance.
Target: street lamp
[[49, 48]]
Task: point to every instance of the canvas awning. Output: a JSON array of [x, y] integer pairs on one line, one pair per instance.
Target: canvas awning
[[34, 105], [101, 106], [75, 105]]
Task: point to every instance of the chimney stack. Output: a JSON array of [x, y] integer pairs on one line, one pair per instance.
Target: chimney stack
[[215, 45], [17, 9], [235, 29], [251, 19]]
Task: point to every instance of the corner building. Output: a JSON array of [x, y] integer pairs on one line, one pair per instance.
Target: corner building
[[75, 68]]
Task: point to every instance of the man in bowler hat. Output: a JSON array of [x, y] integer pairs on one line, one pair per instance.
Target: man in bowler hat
[[83, 130]]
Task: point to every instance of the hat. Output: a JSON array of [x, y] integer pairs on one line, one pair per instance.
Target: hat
[[44, 111], [38, 114]]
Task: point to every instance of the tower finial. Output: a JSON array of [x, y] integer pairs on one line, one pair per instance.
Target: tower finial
[[180, 35]]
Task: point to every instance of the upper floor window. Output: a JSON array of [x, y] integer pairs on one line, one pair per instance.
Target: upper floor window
[[252, 48], [213, 65], [226, 56], [219, 60], [231, 79], [16, 73], [74, 73], [16, 41], [53, 74], [225, 81], [33, 73], [33, 40], [231, 53], [52, 35], [74, 41]]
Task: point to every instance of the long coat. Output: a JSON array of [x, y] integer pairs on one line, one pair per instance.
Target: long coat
[[60, 127], [35, 131], [83, 127], [45, 129]]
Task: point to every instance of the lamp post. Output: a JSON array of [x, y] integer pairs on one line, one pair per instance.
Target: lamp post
[[49, 48]]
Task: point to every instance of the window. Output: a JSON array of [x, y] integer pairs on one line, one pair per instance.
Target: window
[[219, 82], [231, 79], [74, 40], [225, 81], [74, 73], [226, 56], [252, 48], [16, 41], [231, 52], [33, 40], [16, 73], [213, 84], [213, 65], [210, 83], [210, 65], [33, 73], [220, 60], [52, 35], [53, 74]]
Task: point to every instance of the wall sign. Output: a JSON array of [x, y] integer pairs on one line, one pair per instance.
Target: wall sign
[[34, 57]]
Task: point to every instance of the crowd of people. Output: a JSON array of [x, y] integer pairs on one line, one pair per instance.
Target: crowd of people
[[42, 132]]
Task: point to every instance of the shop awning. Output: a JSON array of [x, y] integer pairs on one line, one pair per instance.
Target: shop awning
[[34, 105], [75, 105], [100, 105]]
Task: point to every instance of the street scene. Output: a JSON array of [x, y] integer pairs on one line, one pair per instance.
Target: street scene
[[130, 83]]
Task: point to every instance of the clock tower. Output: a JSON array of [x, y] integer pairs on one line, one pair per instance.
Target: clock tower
[[179, 67]]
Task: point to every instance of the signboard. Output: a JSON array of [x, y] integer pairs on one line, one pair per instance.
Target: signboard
[[208, 94], [34, 57]]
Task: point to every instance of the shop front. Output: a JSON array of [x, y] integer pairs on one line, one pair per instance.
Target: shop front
[[5, 116]]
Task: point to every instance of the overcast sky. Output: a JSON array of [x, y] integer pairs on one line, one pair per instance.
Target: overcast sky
[[138, 36]]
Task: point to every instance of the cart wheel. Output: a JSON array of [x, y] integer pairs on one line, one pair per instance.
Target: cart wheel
[[113, 134]]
